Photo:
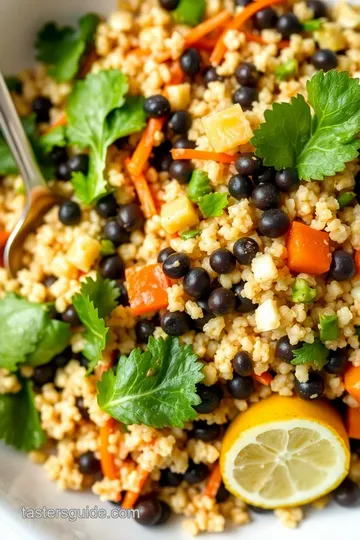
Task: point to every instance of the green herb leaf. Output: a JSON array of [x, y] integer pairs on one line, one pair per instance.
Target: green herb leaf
[[19, 420], [287, 70], [302, 293], [212, 205], [345, 198], [27, 334], [95, 120], [312, 25], [55, 137], [156, 387], [311, 353], [318, 146], [189, 234], [189, 12], [198, 186], [107, 247], [62, 48], [329, 327], [13, 84], [94, 302]]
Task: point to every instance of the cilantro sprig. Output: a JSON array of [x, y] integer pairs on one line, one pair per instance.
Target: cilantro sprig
[[98, 113], [96, 300], [28, 334], [189, 12], [319, 145], [311, 353], [62, 48], [19, 420], [199, 191], [156, 387]]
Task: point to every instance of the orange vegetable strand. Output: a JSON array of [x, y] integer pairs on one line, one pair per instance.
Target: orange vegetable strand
[[353, 422], [61, 121], [206, 27], [143, 150], [177, 74], [214, 482], [144, 194], [131, 497], [265, 378], [146, 288], [308, 250], [4, 235], [187, 153], [352, 382], [357, 262], [235, 24]]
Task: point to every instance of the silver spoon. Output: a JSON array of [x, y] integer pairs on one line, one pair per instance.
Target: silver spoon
[[39, 198]]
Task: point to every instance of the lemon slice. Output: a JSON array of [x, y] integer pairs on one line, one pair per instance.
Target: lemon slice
[[285, 452]]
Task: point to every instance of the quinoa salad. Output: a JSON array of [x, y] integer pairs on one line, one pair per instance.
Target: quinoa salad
[[183, 335]]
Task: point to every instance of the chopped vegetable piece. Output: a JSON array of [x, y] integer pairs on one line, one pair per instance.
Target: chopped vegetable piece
[[214, 482], [143, 192], [311, 353], [4, 235], [178, 215], [143, 151], [146, 287], [352, 382], [308, 250], [319, 145], [189, 12], [330, 36], [187, 153], [207, 27], [177, 74], [265, 378], [235, 24], [287, 69], [357, 262], [107, 247], [312, 25], [107, 460], [131, 497], [345, 198], [61, 121], [156, 388], [329, 327], [19, 419], [199, 185], [353, 422], [212, 205], [28, 334], [302, 293], [62, 48], [227, 129], [189, 234]]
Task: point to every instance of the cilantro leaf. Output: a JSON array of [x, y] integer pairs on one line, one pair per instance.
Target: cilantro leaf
[[302, 292], [312, 25], [19, 420], [156, 387], [311, 353], [318, 146], [55, 137], [189, 234], [329, 327], [189, 12], [345, 198], [94, 302], [62, 48], [98, 114], [213, 204], [287, 69], [107, 247], [283, 135], [27, 334], [198, 186]]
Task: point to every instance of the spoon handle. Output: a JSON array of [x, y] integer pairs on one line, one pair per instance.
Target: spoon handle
[[15, 136]]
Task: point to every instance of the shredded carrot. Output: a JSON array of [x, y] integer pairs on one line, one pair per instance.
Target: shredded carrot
[[143, 151], [177, 74], [206, 44], [256, 38], [146, 288], [357, 262], [131, 497], [138, 52], [235, 24], [214, 482], [265, 378], [206, 27], [308, 250], [143, 192], [187, 153], [353, 422], [352, 382], [4, 235], [61, 121]]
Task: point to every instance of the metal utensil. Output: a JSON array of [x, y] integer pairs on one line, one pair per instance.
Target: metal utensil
[[39, 198]]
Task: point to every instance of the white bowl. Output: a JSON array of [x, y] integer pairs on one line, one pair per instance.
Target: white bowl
[[23, 484]]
